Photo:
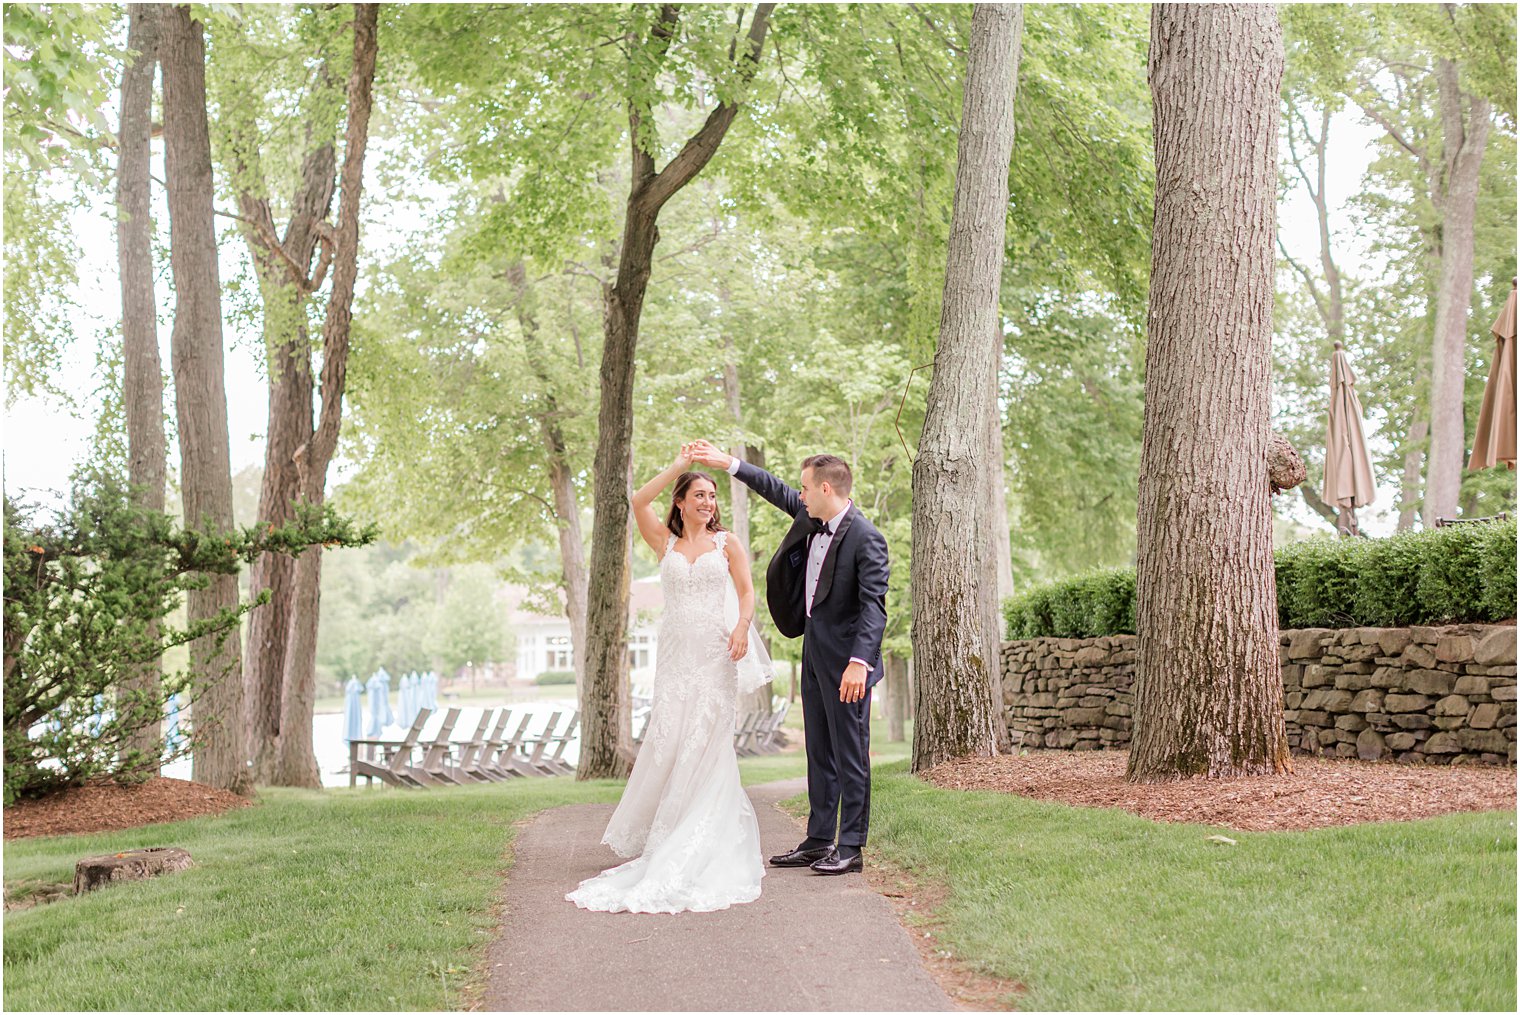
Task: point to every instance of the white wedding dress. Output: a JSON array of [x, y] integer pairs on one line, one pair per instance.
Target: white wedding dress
[[684, 817]]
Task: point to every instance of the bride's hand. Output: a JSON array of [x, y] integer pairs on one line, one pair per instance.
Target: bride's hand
[[704, 453], [738, 642], [683, 457]]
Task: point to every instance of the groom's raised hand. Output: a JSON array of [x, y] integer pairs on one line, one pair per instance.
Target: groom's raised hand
[[705, 453]]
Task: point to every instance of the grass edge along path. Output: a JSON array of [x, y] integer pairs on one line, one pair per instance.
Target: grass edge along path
[[384, 900], [332, 900], [1097, 909]]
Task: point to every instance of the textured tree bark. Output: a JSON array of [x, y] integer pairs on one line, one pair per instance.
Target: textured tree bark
[[143, 379], [297, 764], [956, 635], [200, 397], [285, 276], [606, 748], [1208, 689], [1463, 139], [296, 757]]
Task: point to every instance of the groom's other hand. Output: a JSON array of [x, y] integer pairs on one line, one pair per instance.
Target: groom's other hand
[[702, 451], [852, 687]]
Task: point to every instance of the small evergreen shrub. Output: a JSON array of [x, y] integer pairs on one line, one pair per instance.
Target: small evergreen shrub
[[1451, 575], [1455, 574], [1498, 575], [554, 677]]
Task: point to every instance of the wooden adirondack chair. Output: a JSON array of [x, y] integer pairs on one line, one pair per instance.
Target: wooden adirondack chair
[[555, 764], [540, 744], [507, 757], [434, 768], [770, 730], [469, 752], [745, 734], [395, 757], [485, 759]]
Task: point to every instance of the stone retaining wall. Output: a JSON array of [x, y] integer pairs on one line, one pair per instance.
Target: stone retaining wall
[[1431, 694]]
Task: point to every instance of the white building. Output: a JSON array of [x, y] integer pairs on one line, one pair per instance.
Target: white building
[[543, 642]]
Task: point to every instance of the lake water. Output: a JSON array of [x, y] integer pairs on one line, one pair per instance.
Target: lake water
[[332, 750]]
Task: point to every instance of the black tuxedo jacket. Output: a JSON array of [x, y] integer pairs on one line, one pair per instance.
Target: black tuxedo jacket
[[850, 603]]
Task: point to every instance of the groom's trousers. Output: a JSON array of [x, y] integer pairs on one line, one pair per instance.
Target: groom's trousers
[[838, 736]]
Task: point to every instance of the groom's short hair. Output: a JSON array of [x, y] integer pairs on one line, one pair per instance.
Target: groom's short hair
[[831, 469]]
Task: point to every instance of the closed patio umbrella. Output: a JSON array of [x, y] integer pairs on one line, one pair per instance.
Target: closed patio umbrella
[[430, 683], [353, 710], [407, 694], [379, 703], [172, 734], [1348, 466], [1495, 440]]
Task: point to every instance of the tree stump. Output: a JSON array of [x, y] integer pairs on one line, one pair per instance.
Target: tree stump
[[132, 865], [1285, 469]]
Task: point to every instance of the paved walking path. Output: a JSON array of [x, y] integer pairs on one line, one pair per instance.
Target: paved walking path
[[809, 943]]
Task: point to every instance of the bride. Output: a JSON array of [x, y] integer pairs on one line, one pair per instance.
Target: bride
[[684, 818]]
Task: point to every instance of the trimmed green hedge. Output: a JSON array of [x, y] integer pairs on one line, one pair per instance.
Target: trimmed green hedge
[[555, 677], [1462, 573]]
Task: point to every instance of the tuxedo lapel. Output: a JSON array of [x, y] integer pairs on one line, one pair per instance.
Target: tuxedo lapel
[[826, 573]]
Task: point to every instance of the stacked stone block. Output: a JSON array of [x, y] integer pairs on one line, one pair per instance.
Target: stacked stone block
[[1070, 692], [1442, 695], [1432, 694]]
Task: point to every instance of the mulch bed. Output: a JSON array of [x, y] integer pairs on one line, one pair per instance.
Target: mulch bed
[[1321, 793], [106, 806]]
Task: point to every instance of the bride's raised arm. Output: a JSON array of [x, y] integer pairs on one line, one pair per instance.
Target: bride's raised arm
[[650, 527]]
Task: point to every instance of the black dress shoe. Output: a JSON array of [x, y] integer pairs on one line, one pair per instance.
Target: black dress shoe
[[801, 857], [836, 864]]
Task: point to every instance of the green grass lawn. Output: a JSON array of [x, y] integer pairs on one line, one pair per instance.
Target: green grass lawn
[[360, 899], [339, 899], [1098, 909]]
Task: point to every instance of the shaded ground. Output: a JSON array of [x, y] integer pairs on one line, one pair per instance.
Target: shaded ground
[[808, 943], [1321, 793], [106, 806]]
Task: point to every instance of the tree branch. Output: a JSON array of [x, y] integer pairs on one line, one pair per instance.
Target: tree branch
[[699, 149]]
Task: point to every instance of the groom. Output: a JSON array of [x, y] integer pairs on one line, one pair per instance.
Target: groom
[[828, 583]]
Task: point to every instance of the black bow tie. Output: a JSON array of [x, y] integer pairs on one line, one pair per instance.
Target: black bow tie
[[821, 528]]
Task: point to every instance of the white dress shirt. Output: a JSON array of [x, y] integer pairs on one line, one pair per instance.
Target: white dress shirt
[[818, 549]]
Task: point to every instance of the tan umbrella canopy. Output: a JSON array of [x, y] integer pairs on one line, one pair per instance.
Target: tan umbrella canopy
[[1348, 466], [1495, 441]]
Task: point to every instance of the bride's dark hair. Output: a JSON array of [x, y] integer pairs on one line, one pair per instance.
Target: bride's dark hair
[[683, 483]]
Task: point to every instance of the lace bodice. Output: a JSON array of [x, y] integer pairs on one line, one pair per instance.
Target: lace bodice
[[694, 589]]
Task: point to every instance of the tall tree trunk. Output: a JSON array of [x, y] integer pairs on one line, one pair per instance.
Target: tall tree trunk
[[143, 379], [297, 765], [200, 397], [758, 700], [1002, 548], [286, 280], [956, 635], [897, 697], [606, 743], [1208, 689], [567, 512], [1409, 483], [1463, 139]]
